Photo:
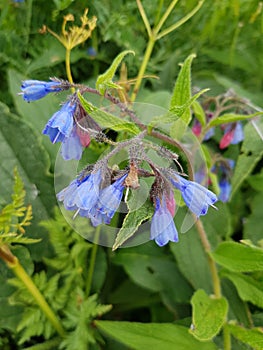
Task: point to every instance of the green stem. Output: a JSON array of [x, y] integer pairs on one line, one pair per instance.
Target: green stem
[[227, 338], [92, 260], [182, 21], [68, 69], [19, 271], [211, 263], [144, 64], [165, 16]]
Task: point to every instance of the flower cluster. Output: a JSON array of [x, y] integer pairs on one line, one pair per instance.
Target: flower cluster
[[97, 191], [66, 124]]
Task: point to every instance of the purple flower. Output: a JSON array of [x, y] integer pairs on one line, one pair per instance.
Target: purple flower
[[108, 202], [33, 90], [196, 197], [163, 228], [60, 125], [71, 146]]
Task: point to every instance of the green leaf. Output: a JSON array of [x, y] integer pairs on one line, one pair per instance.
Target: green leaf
[[176, 111], [231, 118], [20, 147], [191, 257], [256, 181], [238, 257], [252, 337], [199, 113], [107, 120], [131, 223], [247, 287], [150, 268], [104, 80], [209, 315], [161, 336], [251, 153], [252, 224], [182, 94]]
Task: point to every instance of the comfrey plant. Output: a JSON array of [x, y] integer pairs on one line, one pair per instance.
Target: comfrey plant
[[97, 191], [156, 153]]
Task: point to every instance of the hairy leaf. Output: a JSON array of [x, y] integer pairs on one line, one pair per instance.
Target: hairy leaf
[[209, 315]]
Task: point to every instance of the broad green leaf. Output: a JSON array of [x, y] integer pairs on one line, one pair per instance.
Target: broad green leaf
[[104, 80], [252, 337], [209, 315], [253, 222], [182, 94], [131, 223], [21, 148], [247, 287], [149, 267], [231, 118], [190, 255], [107, 120], [238, 257], [36, 113], [161, 336], [251, 153]]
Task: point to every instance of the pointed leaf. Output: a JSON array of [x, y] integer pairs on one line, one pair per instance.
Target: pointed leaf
[[105, 80], [209, 315], [161, 336], [238, 257], [248, 288], [107, 120], [182, 90], [176, 111], [199, 113], [231, 118], [252, 337], [131, 223]]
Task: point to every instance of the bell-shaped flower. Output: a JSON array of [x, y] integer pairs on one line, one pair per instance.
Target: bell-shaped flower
[[89, 191], [163, 228], [60, 125], [196, 197], [71, 146], [108, 202], [33, 90]]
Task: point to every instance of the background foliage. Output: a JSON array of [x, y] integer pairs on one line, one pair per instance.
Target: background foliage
[[154, 288]]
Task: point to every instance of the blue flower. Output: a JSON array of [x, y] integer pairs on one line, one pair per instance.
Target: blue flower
[[108, 202], [60, 125], [71, 146], [33, 90], [68, 195], [163, 228], [196, 197], [88, 192], [225, 189]]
